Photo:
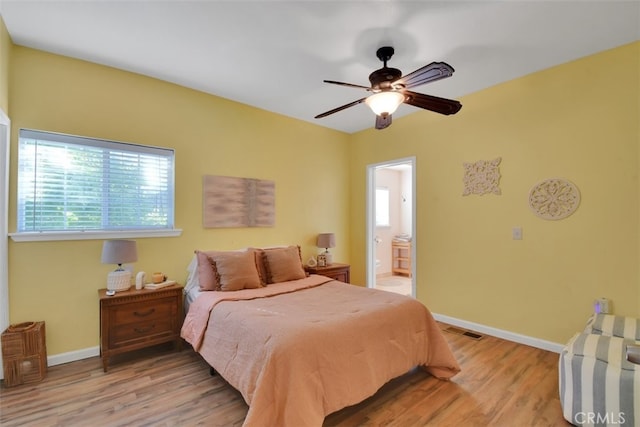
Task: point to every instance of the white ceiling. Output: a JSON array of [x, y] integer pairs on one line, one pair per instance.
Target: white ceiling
[[274, 54]]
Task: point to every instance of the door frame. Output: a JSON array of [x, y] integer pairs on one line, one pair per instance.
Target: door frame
[[371, 219], [5, 143]]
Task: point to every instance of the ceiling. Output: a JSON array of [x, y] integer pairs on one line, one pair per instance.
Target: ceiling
[[274, 55]]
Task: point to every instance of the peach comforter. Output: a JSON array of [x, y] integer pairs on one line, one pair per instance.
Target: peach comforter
[[300, 350]]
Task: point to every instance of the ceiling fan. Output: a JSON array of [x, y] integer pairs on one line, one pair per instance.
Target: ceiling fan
[[389, 89]]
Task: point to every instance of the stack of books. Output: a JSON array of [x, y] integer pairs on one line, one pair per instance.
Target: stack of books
[[159, 285]]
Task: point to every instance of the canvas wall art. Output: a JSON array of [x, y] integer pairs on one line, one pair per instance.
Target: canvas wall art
[[238, 202]]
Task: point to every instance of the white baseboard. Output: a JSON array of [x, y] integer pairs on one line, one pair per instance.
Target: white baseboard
[[72, 356], [501, 333]]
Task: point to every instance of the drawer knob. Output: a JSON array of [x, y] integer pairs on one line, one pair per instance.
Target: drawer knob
[[144, 313]]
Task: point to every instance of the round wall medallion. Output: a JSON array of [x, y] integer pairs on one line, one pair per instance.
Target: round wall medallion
[[554, 198]]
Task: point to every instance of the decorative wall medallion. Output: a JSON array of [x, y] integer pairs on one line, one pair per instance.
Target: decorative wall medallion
[[482, 177], [554, 198]]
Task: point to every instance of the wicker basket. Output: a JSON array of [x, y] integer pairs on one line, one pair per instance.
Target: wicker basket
[[24, 353]]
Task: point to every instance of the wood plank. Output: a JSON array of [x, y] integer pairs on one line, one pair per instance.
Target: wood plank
[[501, 384]]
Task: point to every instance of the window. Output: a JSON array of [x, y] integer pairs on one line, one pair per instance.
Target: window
[[75, 184], [382, 207]]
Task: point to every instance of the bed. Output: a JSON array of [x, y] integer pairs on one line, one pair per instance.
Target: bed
[[302, 348]]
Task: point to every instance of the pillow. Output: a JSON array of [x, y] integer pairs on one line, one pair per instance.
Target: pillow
[[206, 272], [236, 270], [192, 275], [283, 264], [261, 261], [207, 276]]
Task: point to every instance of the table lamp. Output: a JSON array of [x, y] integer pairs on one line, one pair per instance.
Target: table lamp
[[119, 252], [326, 241]]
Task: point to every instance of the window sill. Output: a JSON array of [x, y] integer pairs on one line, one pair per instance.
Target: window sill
[[92, 235]]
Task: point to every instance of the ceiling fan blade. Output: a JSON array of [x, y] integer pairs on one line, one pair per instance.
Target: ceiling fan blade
[[347, 84], [432, 103], [383, 121], [427, 74], [342, 107]]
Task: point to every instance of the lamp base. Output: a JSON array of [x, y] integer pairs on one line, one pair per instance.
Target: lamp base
[[328, 257], [119, 280]]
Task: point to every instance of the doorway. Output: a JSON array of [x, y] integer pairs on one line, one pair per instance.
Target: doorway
[[4, 225], [391, 226]]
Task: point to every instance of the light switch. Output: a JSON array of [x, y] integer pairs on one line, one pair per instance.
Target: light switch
[[516, 233]]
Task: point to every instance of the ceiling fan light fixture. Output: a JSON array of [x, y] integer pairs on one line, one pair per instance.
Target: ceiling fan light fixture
[[384, 103], [390, 89]]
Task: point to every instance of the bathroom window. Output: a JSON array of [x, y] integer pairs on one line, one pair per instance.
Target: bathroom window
[[382, 207]]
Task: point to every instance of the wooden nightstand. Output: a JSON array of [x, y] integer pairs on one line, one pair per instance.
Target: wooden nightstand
[[133, 319], [336, 271]]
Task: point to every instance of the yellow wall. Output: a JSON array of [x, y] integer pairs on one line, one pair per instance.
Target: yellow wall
[[579, 121], [5, 48], [57, 281]]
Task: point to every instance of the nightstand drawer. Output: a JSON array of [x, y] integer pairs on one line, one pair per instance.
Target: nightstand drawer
[[128, 334], [143, 312], [342, 276]]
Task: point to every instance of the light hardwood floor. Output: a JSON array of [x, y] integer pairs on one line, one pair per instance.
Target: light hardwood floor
[[501, 384]]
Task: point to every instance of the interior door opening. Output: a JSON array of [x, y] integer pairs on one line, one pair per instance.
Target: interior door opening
[[391, 226]]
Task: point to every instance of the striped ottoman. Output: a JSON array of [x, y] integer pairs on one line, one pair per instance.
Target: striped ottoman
[[598, 385], [614, 326]]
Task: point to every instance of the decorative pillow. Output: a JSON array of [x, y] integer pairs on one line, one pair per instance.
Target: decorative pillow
[[206, 272], [261, 262], [262, 269], [207, 275], [283, 264], [236, 270]]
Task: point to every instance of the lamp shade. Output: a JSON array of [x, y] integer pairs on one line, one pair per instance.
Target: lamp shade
[[326, 240], [119, 251], [385, 102]]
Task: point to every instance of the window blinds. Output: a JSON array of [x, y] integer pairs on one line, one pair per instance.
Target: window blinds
[[73, 183]]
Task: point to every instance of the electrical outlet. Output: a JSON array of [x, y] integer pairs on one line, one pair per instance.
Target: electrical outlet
[[516, 233]]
